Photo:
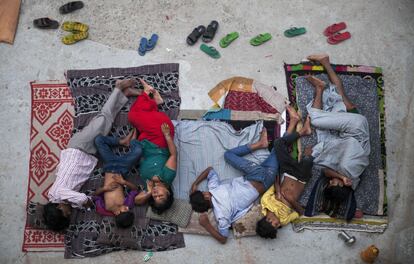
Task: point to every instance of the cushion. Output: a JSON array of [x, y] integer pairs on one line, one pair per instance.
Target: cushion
[[246, 226], [194, 226], [35, 216], [179, 213]]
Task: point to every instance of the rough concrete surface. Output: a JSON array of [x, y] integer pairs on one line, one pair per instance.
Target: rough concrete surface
[[382, 35]]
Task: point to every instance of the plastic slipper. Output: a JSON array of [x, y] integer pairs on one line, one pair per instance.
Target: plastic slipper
[[73, 38], [195, 35], [210, 51], [294, 31], [152, 42], [260, 39], [142, 46], [211, 31], [332, 29], [45, 23], [338, 38], [70, 7], [74, 27], [229, 38]]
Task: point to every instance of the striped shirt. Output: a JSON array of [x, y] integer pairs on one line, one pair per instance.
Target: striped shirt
[[72, 172]]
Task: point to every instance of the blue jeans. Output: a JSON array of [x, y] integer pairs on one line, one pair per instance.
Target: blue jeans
[[264, 173], [114, 163]]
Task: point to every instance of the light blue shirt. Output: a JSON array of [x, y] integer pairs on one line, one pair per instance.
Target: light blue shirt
[[231, 200]]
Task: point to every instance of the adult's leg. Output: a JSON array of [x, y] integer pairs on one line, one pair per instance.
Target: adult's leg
[[234, 156], [103, 145], [323, 59], [102, 122]]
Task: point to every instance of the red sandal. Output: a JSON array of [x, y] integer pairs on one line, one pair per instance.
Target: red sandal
[[332, 29], [338, 38]]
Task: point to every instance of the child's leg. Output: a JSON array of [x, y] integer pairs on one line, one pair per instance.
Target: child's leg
[[131, 158], [103, 145], [234, 158]]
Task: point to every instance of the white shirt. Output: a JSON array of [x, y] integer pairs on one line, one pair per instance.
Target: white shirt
[[73, 171]]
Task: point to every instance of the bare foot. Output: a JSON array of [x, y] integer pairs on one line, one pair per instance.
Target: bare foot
[[306, 129], [132, 92], [321, 58], [293, 115], [263, 142], [127, 140], [124, 84], [317, 83]]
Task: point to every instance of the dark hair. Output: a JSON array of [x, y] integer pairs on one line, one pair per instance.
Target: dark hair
[[124, 219], [337, 194], [198, 203], [160, 208], [54, 218], [265, 229]]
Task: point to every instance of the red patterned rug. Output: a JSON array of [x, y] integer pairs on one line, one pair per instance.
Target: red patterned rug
[[51, 125]]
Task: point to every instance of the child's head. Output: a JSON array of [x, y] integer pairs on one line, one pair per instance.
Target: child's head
[[56, 216], [162, 198], [200, 202], [124, 219], [265, 229], [337, 193]]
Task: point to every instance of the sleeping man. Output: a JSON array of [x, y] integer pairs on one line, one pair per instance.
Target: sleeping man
[[231, 200]]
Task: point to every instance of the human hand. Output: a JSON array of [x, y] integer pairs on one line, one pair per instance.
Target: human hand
[[150, 185], [165, 128], [203, 219], [347, 181], [119, 179], [147, 88], [278, 195], [112, 186]]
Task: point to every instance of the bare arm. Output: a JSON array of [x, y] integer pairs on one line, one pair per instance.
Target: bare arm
[[143, 197], [199, 179], [119, 179], [277, 187], [297, 207], [334, 174], [204, 222], [172, 160]]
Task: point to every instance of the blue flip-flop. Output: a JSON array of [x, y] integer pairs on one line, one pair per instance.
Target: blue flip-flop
[[152, 42], [142, 46]]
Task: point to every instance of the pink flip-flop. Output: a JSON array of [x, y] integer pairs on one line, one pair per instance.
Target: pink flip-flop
[[332, 29], [338, 38]]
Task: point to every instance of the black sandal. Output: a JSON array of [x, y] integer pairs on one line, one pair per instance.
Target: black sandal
[[45, 23], [211, 31], [195, 35], [70, 7]]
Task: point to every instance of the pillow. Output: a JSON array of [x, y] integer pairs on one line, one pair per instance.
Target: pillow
[[179, 213], [35, 216], [246, 226], [194, 226]]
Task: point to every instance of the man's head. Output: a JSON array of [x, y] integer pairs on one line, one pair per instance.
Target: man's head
[[161, 199], [124, 219], [57, 216], [268, 225], [200, 201], [337, 192]]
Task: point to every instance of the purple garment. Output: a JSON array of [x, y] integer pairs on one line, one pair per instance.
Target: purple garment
[[100, 203]]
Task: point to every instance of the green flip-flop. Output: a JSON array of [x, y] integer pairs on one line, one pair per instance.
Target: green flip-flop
[[229, 38], [210, 51], [260, 39], [294, 31]]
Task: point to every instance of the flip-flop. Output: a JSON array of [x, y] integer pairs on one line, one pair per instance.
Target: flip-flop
[[260, 39], [152, 42], [142, 46], [74, 27], [338, 38], [332, 29], [195, 35], [294, 31], [73, 38], [211, 31], [229, 38], [45, 23], [210, 51], [70, 7]]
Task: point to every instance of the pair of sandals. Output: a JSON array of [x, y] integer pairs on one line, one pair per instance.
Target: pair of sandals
[[333, 34], [47, 23], [147, 44], [208, 34]]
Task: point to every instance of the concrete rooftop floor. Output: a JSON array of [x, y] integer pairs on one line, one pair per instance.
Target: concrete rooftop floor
[[382, 35]]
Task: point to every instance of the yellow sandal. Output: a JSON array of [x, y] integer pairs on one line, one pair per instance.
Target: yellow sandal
[[74, 27], [73, 38]]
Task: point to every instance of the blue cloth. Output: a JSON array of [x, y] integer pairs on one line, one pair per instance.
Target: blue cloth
[[231, 200], [223, 114], [114, 163], [264, 173]]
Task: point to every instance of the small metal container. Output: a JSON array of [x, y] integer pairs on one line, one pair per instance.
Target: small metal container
[[349, 240]]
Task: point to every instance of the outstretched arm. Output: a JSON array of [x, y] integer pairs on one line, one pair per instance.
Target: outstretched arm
[[143, 197], [333, 174], [204, 222], [199, 179], [172, 160]]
